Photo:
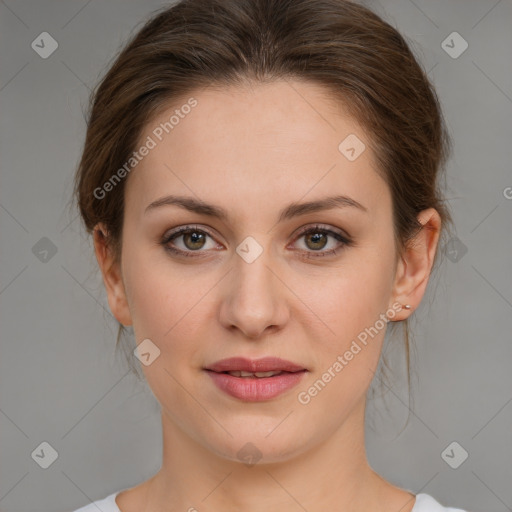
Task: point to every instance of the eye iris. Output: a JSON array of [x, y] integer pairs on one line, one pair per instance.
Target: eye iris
[[194, 240], [315, 236], [196, 237]]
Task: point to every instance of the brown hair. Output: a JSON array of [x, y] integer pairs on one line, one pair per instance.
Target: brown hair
[[362, 60]]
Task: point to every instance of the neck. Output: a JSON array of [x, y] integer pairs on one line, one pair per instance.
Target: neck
[[332, 475]]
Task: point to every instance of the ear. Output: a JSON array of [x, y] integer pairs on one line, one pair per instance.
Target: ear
[[112, 277], [415, 265]]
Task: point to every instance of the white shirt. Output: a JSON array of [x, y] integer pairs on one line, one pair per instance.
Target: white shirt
[[424, 503]]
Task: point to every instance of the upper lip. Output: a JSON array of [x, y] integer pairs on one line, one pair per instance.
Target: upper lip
[[265, 364]]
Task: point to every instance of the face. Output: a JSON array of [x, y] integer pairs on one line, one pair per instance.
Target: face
[[266, 279]]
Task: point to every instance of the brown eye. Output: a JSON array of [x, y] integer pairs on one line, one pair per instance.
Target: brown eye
[[193, 240], [316, 240], [186, 241], [190, 241]]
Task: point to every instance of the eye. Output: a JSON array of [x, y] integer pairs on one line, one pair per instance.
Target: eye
[[194, 239], [316, 238]]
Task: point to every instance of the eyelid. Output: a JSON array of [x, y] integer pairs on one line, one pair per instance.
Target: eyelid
[[185, 228], [302, 230], [322, 227], [181, 230], [341, 236]]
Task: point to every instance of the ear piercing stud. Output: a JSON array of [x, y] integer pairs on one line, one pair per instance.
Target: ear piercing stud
[[406, 306]]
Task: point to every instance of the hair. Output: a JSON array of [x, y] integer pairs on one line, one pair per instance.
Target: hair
[[361, 60]]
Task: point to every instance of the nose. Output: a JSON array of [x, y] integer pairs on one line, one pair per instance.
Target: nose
[[255, 300]]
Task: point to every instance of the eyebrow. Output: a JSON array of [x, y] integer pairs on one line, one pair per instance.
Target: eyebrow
[[292, 210]]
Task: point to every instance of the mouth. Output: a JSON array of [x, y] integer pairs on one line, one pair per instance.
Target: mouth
[[255, 366], [257, 379], [259, 375]]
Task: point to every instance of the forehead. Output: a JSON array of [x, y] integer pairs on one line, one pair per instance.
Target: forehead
[[255, 143]]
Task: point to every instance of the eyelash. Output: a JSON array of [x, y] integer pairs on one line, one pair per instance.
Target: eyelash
[[345, 241]]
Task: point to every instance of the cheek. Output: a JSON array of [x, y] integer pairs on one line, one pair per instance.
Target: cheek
[[150, 301], [352, 304], [345, 362], [165, 307], [354, 295], [167, 304]]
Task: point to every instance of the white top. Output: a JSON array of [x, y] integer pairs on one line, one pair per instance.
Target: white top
[[424, 503]]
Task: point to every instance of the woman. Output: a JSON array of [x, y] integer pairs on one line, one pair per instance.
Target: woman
[[261, 181]]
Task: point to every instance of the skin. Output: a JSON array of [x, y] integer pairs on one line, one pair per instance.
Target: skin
[[253, 150]]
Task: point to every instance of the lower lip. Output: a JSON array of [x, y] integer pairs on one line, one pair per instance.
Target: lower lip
[[256, 389]]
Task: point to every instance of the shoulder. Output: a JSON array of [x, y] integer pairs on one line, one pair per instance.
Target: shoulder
[[107, 504], [425, 503]]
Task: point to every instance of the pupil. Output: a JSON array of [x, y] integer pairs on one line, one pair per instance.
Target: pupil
[[316, 238], [196, 237]]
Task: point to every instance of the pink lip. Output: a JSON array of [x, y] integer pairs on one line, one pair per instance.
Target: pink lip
[[255, 389], [265, 364]]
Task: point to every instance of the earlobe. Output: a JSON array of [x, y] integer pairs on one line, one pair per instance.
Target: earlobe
[[415, 265], [112, 277]]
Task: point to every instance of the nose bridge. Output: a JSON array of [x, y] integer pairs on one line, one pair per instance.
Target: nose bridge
[[254, 282], [254, 299]]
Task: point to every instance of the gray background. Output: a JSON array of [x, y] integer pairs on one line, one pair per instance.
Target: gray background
[[61, 381]]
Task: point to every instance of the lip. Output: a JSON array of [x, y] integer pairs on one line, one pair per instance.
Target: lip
[[255, 389], [265, 364]]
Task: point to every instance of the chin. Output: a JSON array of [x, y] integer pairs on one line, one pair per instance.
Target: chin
[[251, 446]]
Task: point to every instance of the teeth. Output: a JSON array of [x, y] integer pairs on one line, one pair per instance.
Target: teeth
[[239, 373]]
